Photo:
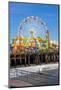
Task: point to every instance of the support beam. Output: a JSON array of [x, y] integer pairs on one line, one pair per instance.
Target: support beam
[[28, 59]]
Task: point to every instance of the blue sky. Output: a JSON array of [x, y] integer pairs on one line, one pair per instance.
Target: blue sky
[[19, 11]]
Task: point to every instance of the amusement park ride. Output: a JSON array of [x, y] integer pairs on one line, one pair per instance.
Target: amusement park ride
[[23, 43]]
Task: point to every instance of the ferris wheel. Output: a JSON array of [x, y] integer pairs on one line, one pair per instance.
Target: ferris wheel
[[32, 33], [32, 26]]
